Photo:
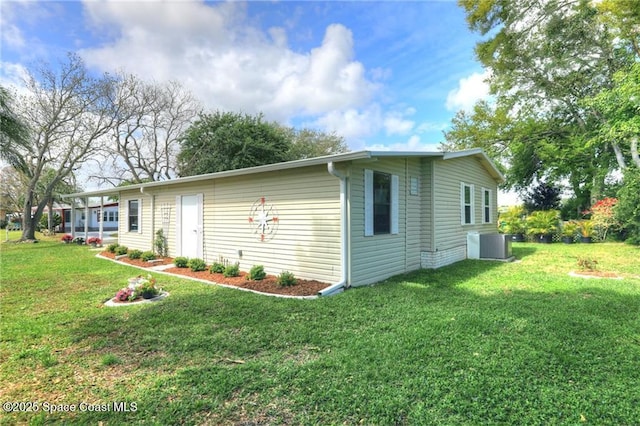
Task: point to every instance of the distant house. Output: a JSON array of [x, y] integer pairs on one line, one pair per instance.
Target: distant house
[[350, 219], [110, 216]]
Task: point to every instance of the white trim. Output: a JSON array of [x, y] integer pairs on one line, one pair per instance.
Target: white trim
[[395, 204], [178, 225], [463, 205], [126, 210], [368, 203], [490, 205]]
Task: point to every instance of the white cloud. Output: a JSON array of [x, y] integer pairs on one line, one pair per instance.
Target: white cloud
[[414, 143], [397, 126], [470, 90], [352, 124], [230, 64], [13, 75]]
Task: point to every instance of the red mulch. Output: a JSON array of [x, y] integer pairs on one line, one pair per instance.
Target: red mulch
[[267, 285], [138, 262]]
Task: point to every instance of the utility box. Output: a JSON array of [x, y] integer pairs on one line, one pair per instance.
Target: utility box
[[495, 246], [473, 245]]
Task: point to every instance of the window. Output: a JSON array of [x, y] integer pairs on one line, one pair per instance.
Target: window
[[486, 205], [466, 199], [105, 216], [414, 184], [134, 215], [381, 203]]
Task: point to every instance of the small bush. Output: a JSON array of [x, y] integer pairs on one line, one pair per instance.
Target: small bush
[[217, 268], [257, 273], [111, 248], [148, 255], [232, 270], [197, 265], [135, 254], [286, 279], [110, 359], [587, 264], [120, 250], [181, 262]]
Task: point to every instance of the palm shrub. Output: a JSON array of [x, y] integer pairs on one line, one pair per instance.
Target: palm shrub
[[543, 223]]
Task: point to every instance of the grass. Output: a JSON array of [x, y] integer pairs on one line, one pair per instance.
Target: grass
[[473, 343]]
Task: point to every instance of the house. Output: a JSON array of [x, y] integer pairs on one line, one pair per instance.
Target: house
[[350, 219], [109, 217]]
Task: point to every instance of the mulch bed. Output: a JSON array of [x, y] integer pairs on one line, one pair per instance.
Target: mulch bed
[[267, 285], [138, 262]]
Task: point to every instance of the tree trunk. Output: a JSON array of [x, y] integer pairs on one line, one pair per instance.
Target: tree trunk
[[50, 221], [619, 156], [634, 151], [28, 225]]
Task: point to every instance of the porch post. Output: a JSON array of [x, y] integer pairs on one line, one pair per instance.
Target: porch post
[[72, 218], [86, 217], [101, 217]]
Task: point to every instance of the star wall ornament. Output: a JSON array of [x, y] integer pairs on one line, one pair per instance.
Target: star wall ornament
[[263, 219]]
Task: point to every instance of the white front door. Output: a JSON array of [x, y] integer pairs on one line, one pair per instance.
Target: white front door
[[189, 226]]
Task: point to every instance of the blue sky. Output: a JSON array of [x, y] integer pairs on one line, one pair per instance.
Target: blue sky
[[385, 75]]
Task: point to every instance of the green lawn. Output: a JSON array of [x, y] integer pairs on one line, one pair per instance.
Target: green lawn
[[473, 343]]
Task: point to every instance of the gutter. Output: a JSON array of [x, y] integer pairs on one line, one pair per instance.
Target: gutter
[[340, 286]]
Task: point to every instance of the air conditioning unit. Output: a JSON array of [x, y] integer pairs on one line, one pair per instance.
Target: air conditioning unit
[[495, 246]]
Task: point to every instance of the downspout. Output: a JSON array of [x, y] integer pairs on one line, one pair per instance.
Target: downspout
[[344, 235]]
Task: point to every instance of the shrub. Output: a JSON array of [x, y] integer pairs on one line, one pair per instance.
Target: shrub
[[232, 270], [120, 250], [94, 241], [286, 279], [197, 265], [160, 243], [148, 255], [125, 295], [111, 248], [181, 262], [67, 238], [216, 268], [627, 211], [135, 254], [257, 273]]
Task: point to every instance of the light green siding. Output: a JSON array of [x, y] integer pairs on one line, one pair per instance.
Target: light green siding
[[377, 257], [448, 175]]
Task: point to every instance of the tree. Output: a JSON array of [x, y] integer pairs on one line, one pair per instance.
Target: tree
[[545, 59], [13, 132], [225, 141], [542, 197], [68, 113], [306, 143], [146, 141], [627, 210]]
